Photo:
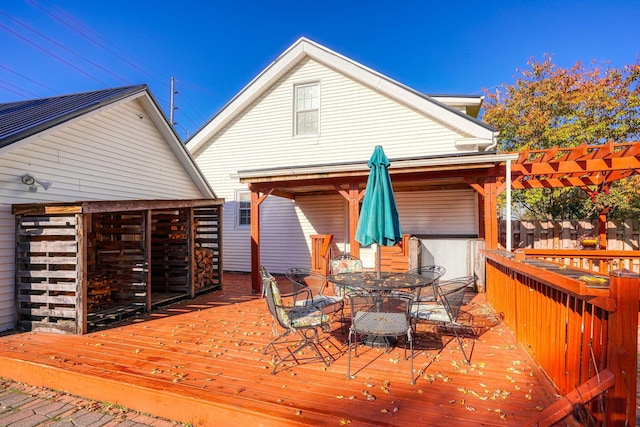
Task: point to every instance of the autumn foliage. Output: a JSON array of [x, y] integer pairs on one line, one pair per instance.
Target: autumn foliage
[[552, 106]]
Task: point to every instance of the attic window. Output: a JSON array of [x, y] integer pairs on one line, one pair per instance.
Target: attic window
[[307, 109]]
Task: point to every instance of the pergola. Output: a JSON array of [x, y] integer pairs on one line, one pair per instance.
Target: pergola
[[592, 168]]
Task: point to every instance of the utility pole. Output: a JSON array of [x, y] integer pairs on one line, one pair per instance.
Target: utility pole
[[172, 106]]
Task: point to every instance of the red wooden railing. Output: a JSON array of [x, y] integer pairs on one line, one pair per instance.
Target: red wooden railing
[[574, 332], [601, 261], [321, 252], [395, 258]]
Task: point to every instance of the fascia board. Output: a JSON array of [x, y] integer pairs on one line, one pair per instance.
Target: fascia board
[[438, 111], [303, 47], [480, 160], [178, 148], [247, 94]]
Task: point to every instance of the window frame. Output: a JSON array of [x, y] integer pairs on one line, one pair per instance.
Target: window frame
[[297, 110], [239, 208]]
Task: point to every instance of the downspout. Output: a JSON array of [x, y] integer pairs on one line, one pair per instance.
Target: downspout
[[508, 207], [494, 142]]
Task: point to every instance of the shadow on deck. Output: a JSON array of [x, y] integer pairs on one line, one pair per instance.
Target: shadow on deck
[[201, 362]]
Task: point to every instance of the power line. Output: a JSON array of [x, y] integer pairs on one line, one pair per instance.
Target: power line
[[64, 47], [31, 80], [76, 28], [14, 91], [51, 54], [92, 36]]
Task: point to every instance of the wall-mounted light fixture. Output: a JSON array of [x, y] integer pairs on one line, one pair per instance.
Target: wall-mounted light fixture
[[31, 182]]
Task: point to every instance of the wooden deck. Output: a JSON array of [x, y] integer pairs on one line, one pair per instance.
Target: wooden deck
[[201, 362]]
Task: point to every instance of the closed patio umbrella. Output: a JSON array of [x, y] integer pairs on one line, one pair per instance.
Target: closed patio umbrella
[[378, 221]]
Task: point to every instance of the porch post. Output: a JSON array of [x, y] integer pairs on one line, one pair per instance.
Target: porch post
[[256, 201], [622, 348], [508, 243], [255, 242], [354, 216], [491, 213], [602, 228]]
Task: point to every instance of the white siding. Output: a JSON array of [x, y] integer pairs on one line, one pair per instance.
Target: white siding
[[445, 212], [353, 120], [111, 155]]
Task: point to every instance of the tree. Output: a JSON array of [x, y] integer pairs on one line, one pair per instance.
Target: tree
[[551, 106]]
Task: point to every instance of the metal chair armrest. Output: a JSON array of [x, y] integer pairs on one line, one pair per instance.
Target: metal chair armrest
[[296, 294]]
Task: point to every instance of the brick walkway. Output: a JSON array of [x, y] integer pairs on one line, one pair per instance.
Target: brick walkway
[[26, 406]]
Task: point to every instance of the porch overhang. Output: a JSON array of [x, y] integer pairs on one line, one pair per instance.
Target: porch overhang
[[408, 174], [479, 171]]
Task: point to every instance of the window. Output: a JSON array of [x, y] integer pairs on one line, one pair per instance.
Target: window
[[243, 207], [307, 109]]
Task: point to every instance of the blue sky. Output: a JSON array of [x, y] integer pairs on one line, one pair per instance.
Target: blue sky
[[214, 48]]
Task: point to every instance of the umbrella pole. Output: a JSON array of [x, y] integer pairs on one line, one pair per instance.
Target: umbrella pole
[[379, 259]]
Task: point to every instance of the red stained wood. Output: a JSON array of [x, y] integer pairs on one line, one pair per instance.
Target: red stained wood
[[201, 362], [580, 395]]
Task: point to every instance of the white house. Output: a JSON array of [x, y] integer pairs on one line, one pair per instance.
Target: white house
[[315, 114], [107, 145]]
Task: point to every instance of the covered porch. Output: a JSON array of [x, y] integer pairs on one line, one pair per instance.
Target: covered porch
[[478, 171]]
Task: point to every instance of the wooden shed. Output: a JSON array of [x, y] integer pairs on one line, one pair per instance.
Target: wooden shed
[[81, 266]]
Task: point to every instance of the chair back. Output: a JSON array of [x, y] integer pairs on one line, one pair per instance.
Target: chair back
[[382, 315], [450, 293], [305, 277], [345, 263], [275, 303]]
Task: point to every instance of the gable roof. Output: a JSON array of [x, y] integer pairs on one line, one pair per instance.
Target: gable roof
[[21, 119], [24, 119], [305, 48]]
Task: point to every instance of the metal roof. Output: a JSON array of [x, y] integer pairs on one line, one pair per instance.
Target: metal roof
[[21, 119]]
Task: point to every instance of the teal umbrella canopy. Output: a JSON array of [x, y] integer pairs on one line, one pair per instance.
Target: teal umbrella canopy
[[379, 221]]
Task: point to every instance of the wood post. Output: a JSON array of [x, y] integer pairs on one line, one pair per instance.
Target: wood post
[[602, 229], [255, 242], [622, 348], [491, 213], [354, 215]]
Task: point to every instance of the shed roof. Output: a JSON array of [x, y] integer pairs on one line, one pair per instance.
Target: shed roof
[[21, 119]]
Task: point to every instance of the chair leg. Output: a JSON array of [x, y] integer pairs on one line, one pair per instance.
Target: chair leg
[[467, 359], [349, 342], [310, 341], [413, 380]]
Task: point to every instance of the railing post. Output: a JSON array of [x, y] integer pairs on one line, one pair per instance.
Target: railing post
[[623, 347]]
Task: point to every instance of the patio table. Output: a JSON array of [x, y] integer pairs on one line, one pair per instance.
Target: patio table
[[385, 283]]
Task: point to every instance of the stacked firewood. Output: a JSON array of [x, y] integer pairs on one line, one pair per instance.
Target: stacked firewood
[[178, 232], [204, 267], [98, 291]]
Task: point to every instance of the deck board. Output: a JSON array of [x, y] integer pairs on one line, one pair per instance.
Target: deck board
[[201, 361]]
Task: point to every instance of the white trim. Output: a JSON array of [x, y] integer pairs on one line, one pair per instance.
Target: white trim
[[302, 48], [296, 109], [478, 160], [236, 211]]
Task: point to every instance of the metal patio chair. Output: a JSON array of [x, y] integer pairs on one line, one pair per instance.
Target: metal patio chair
[[423, 293], [345, 263], [379, 318], [444, 311], [294, 326], [304, 278]]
